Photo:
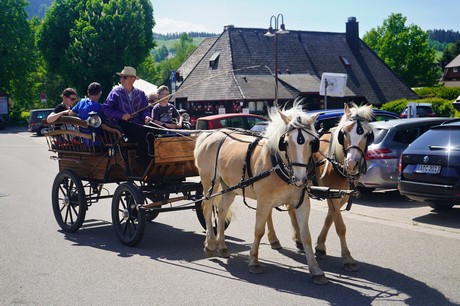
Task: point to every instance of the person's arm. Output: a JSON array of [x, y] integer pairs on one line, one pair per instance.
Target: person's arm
[[55, 116], [110, 107]]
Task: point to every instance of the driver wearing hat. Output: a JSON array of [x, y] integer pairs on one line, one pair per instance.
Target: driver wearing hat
[[125, 102]]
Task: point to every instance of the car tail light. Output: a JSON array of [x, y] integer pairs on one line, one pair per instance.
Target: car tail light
[[380, 154], [400, 165]]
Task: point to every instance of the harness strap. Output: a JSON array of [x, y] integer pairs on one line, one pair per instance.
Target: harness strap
[[215, 167], [247, 165], [280, 169]]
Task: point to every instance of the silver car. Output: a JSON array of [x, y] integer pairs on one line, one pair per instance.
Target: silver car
[[382, 156]]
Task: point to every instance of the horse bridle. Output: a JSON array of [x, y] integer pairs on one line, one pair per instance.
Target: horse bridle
[[282, 146], [369, 139]]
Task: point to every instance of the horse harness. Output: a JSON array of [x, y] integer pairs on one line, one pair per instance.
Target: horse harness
[[340, 167], [279, 167]]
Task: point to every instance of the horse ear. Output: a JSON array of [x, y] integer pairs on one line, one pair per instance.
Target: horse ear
[[284, 117], [346, 110]]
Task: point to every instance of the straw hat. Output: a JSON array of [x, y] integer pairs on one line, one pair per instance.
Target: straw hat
[[129, 71]]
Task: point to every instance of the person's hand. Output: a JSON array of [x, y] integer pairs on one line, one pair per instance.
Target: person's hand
[[126, 117], [148, 119]]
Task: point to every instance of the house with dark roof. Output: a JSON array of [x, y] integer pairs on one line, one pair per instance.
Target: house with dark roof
[[237, 70], [451, 76]]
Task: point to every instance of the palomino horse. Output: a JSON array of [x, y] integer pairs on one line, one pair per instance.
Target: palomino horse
[[339, 163], [225, 158]]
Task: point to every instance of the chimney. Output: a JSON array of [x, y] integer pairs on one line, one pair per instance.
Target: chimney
[[352, 34]]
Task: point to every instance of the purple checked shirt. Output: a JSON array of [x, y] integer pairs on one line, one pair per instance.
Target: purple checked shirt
[[118, 103]]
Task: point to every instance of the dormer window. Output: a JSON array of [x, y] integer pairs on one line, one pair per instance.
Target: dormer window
[[345, 61], [214, 59]]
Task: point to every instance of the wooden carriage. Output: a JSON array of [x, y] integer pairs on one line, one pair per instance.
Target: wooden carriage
[[91, 157]]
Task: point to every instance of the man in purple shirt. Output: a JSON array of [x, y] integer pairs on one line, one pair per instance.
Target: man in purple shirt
[[125, 102], [127, 106]]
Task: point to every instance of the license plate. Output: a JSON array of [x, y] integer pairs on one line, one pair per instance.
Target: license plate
[[431, 169]]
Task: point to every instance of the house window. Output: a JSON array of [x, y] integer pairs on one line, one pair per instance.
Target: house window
[[455, 69], [214, 59], [345, 61]]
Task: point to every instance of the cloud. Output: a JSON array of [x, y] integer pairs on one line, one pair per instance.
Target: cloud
[[167, 25]]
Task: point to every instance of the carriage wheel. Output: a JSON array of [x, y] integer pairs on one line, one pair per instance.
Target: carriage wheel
[[127, 218], [150, 215], [69, 201], [200, 215]]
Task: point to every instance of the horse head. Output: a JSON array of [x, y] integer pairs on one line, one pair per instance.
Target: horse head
[[354, 135], [294, 134]]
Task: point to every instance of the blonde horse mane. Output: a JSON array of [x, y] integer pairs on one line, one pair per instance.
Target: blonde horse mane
[[296, 116]]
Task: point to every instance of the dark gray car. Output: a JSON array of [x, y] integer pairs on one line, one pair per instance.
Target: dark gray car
[[391, 139]]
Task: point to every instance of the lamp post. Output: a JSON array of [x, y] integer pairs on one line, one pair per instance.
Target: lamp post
[[275, 20]]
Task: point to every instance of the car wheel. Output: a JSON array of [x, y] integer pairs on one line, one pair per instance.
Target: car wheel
[[441, 206]]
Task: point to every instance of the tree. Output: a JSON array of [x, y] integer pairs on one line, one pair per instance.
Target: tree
[[17, 51], [451, 52], [405, 50], [183, 48], [89, 40]]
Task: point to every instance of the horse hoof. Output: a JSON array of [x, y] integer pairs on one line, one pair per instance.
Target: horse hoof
[[350, 267], [320, 254], [320, 279], [224, 253], [299, 246], [255, 269], [209, 252], [276, 246]]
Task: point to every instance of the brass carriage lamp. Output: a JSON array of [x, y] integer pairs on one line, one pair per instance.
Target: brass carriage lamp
[[274, 20]]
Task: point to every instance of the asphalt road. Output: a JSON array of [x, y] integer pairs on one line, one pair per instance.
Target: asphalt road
[[407, 254]]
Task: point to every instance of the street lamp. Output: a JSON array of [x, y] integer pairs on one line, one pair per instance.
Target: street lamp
[[275, 20]]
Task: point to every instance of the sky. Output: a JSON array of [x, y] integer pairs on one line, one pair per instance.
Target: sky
[[305, 15]]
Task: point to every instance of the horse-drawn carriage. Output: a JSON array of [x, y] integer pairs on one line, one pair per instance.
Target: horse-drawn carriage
[[277, 169], [90, 157]]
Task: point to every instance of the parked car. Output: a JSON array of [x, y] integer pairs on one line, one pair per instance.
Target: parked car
[[430, 167], [328, 119], [233, 120], [260, 127], [423, 110], [390, 140], [35, 120]]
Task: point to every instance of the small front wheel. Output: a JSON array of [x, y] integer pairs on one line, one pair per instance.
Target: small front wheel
[[128, 217], [69, 201]]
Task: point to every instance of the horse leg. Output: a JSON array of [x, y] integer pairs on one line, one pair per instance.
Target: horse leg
[[222, 211], [210, 240], [295, 230], [302, 214], [349, 263], [320, 249], [271, 234], [259, 230]]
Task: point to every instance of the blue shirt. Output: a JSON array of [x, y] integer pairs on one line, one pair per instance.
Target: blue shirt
[[85, 106]]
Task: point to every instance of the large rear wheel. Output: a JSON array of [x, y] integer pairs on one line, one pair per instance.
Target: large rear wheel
[[69, 201], [128, 218]]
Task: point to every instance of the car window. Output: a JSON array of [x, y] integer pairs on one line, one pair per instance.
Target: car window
[[252, 121], [383, 117], [232, 123], [324, 125], [380, 135], [438, 137], [406, 135], [424, 111]]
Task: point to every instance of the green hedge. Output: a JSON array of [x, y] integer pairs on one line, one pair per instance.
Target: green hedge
[[440, 97]]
